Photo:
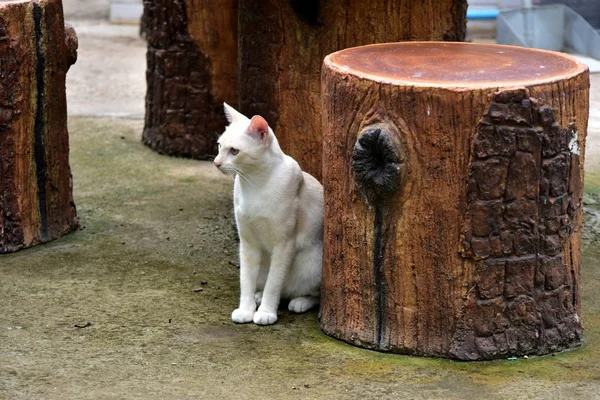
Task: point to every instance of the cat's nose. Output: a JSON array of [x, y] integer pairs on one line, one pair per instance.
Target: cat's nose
[[218, 164]]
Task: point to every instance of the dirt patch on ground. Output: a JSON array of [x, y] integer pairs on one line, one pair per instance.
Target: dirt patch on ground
[[86, 9]]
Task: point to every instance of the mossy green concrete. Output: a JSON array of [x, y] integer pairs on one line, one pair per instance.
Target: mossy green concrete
[[153, 228], [592, 182]]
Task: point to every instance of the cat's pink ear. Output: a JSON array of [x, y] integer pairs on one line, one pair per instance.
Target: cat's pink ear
[[258, 128]]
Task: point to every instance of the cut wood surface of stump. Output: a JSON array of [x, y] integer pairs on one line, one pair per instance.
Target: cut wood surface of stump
[[36, 51], [453, 198], [282, 44], [191, 71]]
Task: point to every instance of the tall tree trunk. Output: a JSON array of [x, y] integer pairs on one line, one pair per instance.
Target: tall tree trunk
[[453, 189], [283, 43], [192, 69], [36, 203]]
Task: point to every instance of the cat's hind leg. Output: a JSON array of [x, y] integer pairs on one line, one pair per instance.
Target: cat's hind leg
[[304, 281], [303, 303], [258, 297]]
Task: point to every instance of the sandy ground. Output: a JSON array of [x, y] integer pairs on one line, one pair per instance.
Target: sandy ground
[[154, 228], [86, 9], [109, 77]]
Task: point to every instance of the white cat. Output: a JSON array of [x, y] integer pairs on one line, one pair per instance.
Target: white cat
[[279, 215]]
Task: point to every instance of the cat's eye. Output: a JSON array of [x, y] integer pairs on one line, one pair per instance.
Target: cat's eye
[[235, 152]]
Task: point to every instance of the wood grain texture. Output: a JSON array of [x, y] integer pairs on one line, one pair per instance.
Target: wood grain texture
[[36, 203], [192, 70], [283, 42], [486, 165]]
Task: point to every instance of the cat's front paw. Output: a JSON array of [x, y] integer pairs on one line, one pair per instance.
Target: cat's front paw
[[240, 316], [264, 318]]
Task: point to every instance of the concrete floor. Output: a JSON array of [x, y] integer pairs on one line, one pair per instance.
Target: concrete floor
[[109, 77], [153, 228], [86, 9]]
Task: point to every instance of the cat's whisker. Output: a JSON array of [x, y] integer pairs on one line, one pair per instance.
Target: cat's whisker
[[234, 169], [228, 172], [241, 175], [244, 177], [231, 175]]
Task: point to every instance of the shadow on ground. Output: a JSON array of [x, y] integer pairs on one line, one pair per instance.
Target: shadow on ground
[[152, 229]]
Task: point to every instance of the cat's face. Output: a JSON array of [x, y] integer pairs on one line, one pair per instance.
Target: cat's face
[[242, 145]]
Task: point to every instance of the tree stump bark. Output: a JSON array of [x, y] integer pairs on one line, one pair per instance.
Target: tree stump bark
[[453, 191], [36, 202], [192, 70], [283, 43]]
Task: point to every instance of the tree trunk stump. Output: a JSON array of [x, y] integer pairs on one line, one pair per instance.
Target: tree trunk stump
[[36, 202], [283, 43], [192, 70], [453, 199]]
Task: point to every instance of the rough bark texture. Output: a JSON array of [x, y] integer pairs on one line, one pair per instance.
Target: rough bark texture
[[36, 203], [462, 240], [283, 42], [192, 70]]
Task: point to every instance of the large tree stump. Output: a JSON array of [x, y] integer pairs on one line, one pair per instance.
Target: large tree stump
[[283, 43], [192, 70], [36, 203], [453, 185]]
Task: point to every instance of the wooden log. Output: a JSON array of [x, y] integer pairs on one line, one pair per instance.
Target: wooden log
[[453, 199], [36, 202], [283, 43], [192, 70]]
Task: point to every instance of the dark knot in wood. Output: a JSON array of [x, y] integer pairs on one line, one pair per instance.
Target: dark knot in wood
[[307, 10], [377, 164]]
